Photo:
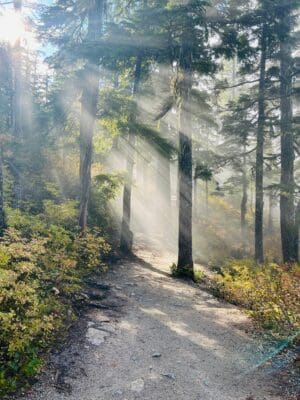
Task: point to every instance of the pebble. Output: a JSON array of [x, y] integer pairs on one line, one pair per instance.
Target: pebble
[[103, 320], [95, 336], [156, 355], [169, 375]]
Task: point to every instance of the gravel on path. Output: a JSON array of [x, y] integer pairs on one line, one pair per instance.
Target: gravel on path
[[158, 338]]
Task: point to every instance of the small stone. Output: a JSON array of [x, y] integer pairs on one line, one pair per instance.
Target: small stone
[[118, 287], [169, 375], [156, 355], [137, 385], [95, 336], [103, 320]]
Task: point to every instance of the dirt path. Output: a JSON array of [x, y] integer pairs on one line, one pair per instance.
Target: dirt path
[[159, 338]]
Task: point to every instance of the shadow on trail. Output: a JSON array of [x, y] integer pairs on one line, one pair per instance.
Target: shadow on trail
[[204, 353], [146, 265]]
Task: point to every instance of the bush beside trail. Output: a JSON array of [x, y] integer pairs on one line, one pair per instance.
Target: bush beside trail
[[43, 267]]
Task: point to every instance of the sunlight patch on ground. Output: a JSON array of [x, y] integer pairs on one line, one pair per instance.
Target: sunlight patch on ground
[[153, 311], [125, 325]]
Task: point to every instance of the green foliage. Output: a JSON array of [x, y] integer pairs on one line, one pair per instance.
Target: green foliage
[[88, 248], [182, 272], [161, 145], [173, 269], [63, 214], [53, 214], [29, 314], [199, 276], [270, 292], [203, 172], [105, 188], [40, 274]]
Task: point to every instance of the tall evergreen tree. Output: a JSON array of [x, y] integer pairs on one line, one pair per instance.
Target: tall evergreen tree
[[259, 197], [89, 102], [287, 196], [126, 239]]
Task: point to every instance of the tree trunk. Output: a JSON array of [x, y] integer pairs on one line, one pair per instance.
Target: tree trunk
[[206, 197], [126, 239], [259, 194], [17, 115], [89, 101], [2, 209], [244, 200], [185, 251], [297, 228], [17, 121], [163, 173], [287, 184], [271, 217], [167, 189], [195, 203]]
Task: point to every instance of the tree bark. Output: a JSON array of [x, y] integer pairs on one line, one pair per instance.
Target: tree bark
[[206, 197], [185, 250], [167, 189], [126, 239], [17, 115], [287, 184], [2, 209], [297, 228], [271, 217], [244, 200], [195, 202], [163, 182], [259, 195], [89, 101]]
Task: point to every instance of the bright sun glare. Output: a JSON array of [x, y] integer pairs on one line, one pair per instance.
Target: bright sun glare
[[13, 28]]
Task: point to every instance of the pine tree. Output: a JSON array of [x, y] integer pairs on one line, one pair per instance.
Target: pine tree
[[89, 102], [287, 196]]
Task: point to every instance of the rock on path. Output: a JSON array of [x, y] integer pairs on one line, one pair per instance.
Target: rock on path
[[160, 339]]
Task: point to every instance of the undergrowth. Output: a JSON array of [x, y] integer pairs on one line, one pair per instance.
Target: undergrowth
[[42, 267], [271, 292]]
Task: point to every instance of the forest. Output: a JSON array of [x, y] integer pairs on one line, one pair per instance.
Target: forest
[[150, 156]]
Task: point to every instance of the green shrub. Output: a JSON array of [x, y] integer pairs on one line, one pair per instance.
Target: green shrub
[[89, 249], [271, 292], [29, 315], [63, 214], [42, 267]]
